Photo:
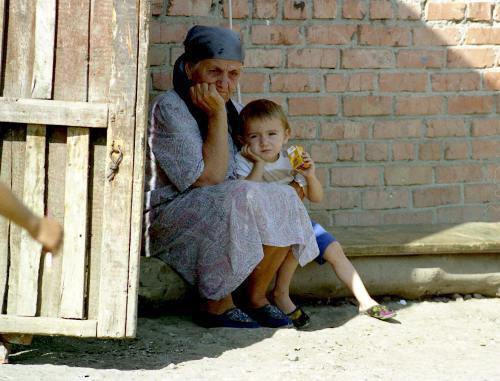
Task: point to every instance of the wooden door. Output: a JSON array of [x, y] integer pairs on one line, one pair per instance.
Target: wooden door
[[73, 102]]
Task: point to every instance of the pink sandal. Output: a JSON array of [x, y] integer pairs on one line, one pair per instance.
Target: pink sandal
[[380, 312]]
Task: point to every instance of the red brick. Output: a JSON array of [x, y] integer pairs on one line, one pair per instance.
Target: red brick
[[323, 152], [470, 105], [322, 174], [485, 149], [456, 82], [394, 129], [373, 218], [172, 32], [445, 11], [162, 81], [483, 36], [403, 151], [367, 58], [325, 105], [353, 82], [376, 152], [330, 34], [411, 175], [240, 9], [367, 105], [355, 176], [436, 36], [471, 57], [303, 129], [313, 58], [479, 193], [189, 8], [398, 82], [412, 105], [344, 130], [496, 13], [325, 9], [294, 82], [486, 127], [158, 55], [458, 214], [156, 7], [458, 174], [409, 10], [175, 52], [492, 80], [348, 152], [479, 11], [436, 196], [445, 127], [276, 99], [354, 9], [413, 217], [383, 35], [456, 150], [381, 9], [275, 35], [295, 10], [335, 199], [385, 199], [421, 59], [263, 57], [253, 82], [265, 9], [429, 151]]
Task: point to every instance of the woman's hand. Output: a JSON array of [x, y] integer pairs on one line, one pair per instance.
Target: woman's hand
[[247, 153], [206, 97], [310, 171]]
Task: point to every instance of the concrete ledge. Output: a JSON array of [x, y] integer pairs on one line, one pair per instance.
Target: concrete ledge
[[405, 260]]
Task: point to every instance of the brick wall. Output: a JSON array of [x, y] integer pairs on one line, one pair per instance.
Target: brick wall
[[398, 101]]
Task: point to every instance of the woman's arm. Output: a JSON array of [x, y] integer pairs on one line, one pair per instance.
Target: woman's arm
[[215, 147]]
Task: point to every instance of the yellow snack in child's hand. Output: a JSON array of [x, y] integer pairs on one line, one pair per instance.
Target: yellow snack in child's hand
[[295, 157]]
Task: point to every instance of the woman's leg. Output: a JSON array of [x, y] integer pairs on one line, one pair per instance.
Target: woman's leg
[[281, 291], [348, 274], [259, 280], [218, 307]]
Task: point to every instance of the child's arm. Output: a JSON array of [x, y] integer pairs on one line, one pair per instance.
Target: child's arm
[[45, 230], [314, 190], [257, 171]]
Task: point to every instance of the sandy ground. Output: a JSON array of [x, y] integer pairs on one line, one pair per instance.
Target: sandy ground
[[430, 340]]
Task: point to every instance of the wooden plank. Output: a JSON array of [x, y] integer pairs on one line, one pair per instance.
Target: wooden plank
[[19, 52], [139, 163], [17, 186], [118, 193], [50, 278], [45, 30], [47, 326], [31, 250], [61, 113], [5, 178], [75, 224], [2, 29]]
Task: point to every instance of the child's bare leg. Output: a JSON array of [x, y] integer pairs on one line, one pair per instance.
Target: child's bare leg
[[281, 291], [348, 274]]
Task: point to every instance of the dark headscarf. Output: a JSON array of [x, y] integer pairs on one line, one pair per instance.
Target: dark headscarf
[[205, 42]]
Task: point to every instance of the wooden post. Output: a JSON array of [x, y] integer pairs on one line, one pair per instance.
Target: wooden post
[[31, 250], [5, 178], [139, 162], [2, 29], [112, 309]]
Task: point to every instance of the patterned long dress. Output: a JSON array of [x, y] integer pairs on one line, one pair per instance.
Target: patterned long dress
[[212, 235]]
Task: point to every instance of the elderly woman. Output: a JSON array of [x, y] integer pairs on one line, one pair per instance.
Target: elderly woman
[[214, 230]]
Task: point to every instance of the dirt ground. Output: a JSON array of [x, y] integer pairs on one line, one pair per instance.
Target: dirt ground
[[430, 340]]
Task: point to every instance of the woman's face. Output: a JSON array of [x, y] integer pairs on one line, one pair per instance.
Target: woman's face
[[223, 73]]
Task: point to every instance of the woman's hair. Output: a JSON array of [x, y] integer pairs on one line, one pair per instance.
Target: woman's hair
[[262, 109]]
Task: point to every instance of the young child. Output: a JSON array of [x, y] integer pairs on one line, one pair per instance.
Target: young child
[[45, 230], [264, 135]]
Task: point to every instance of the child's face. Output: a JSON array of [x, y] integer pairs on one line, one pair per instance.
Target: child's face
[[266, 137]]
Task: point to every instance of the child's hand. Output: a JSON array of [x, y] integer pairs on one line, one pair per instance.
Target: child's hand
[[49, 234], [310, 171], [247, 153]]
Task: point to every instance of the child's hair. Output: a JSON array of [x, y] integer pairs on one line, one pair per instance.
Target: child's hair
[[262, 109]]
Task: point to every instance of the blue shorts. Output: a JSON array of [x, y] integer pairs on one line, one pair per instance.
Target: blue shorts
[[324, 239]]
